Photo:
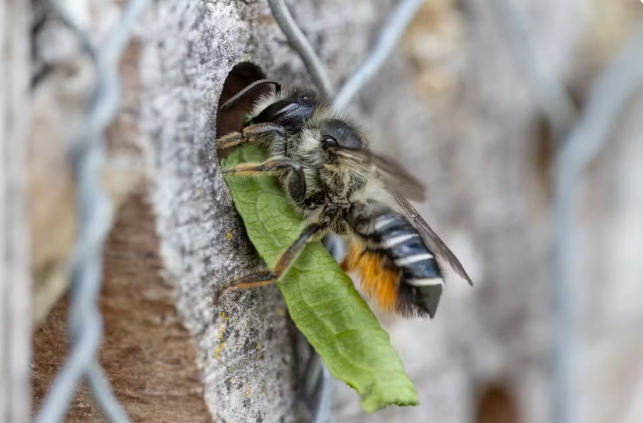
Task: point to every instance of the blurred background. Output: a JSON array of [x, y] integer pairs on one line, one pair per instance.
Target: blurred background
[[522, 117], [491, 103]]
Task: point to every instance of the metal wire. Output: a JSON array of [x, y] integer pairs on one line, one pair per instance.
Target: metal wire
[[298, 41], [94, 211], [325, 398], [609, 95], [389, 36]]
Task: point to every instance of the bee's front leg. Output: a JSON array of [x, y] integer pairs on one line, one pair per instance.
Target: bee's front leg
[[296, 185], [269, 167], [252, 133], [249, 280], [283, 263]]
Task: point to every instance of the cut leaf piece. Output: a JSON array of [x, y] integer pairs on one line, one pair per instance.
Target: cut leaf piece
[[321, 299]]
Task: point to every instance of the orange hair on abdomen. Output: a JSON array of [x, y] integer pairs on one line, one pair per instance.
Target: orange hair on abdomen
[[379, 282]]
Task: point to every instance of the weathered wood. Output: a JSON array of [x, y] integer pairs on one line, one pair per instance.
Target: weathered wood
[[147, 353], [15, 281]]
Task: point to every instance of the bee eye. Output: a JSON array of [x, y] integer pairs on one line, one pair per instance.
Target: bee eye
[[329, 141]]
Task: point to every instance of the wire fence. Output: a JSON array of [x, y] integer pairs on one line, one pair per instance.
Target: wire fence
[[579, 144], [578, 138], [85, 327], [607, 99]]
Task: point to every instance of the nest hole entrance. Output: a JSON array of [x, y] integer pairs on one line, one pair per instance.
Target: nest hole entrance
[[231, 120], [496, 405]]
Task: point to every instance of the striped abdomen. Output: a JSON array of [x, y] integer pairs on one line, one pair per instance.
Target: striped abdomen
[[395, 265]]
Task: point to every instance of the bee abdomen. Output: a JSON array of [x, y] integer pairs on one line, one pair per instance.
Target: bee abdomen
[[391, 235]]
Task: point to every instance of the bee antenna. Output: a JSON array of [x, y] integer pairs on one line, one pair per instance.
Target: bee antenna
[[250, 87]]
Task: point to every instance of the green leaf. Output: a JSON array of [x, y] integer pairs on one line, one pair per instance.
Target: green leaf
[[321, 299]]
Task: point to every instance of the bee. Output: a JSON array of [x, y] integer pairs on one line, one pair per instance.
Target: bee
[[338, 185]]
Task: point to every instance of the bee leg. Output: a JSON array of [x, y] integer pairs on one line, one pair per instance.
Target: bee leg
[[296, 185], [251, 133], [290, 255], [271, 166], [250, 280], [282, 265]]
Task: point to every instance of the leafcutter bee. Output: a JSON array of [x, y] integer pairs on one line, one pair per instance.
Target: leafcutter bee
[[338, 185]]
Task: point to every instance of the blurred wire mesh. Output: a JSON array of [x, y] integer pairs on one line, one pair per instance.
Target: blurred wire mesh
[[94, 210]]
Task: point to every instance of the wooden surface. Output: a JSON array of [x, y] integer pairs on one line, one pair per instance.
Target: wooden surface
[[147, 353]]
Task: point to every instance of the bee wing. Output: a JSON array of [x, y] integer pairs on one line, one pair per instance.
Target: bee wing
[[435, 243], [390, 173]]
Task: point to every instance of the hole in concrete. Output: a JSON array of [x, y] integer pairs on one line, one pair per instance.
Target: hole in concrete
[[239, 77], [496, 405]]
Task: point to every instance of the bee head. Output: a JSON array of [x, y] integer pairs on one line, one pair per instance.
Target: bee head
[[339, 133]]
